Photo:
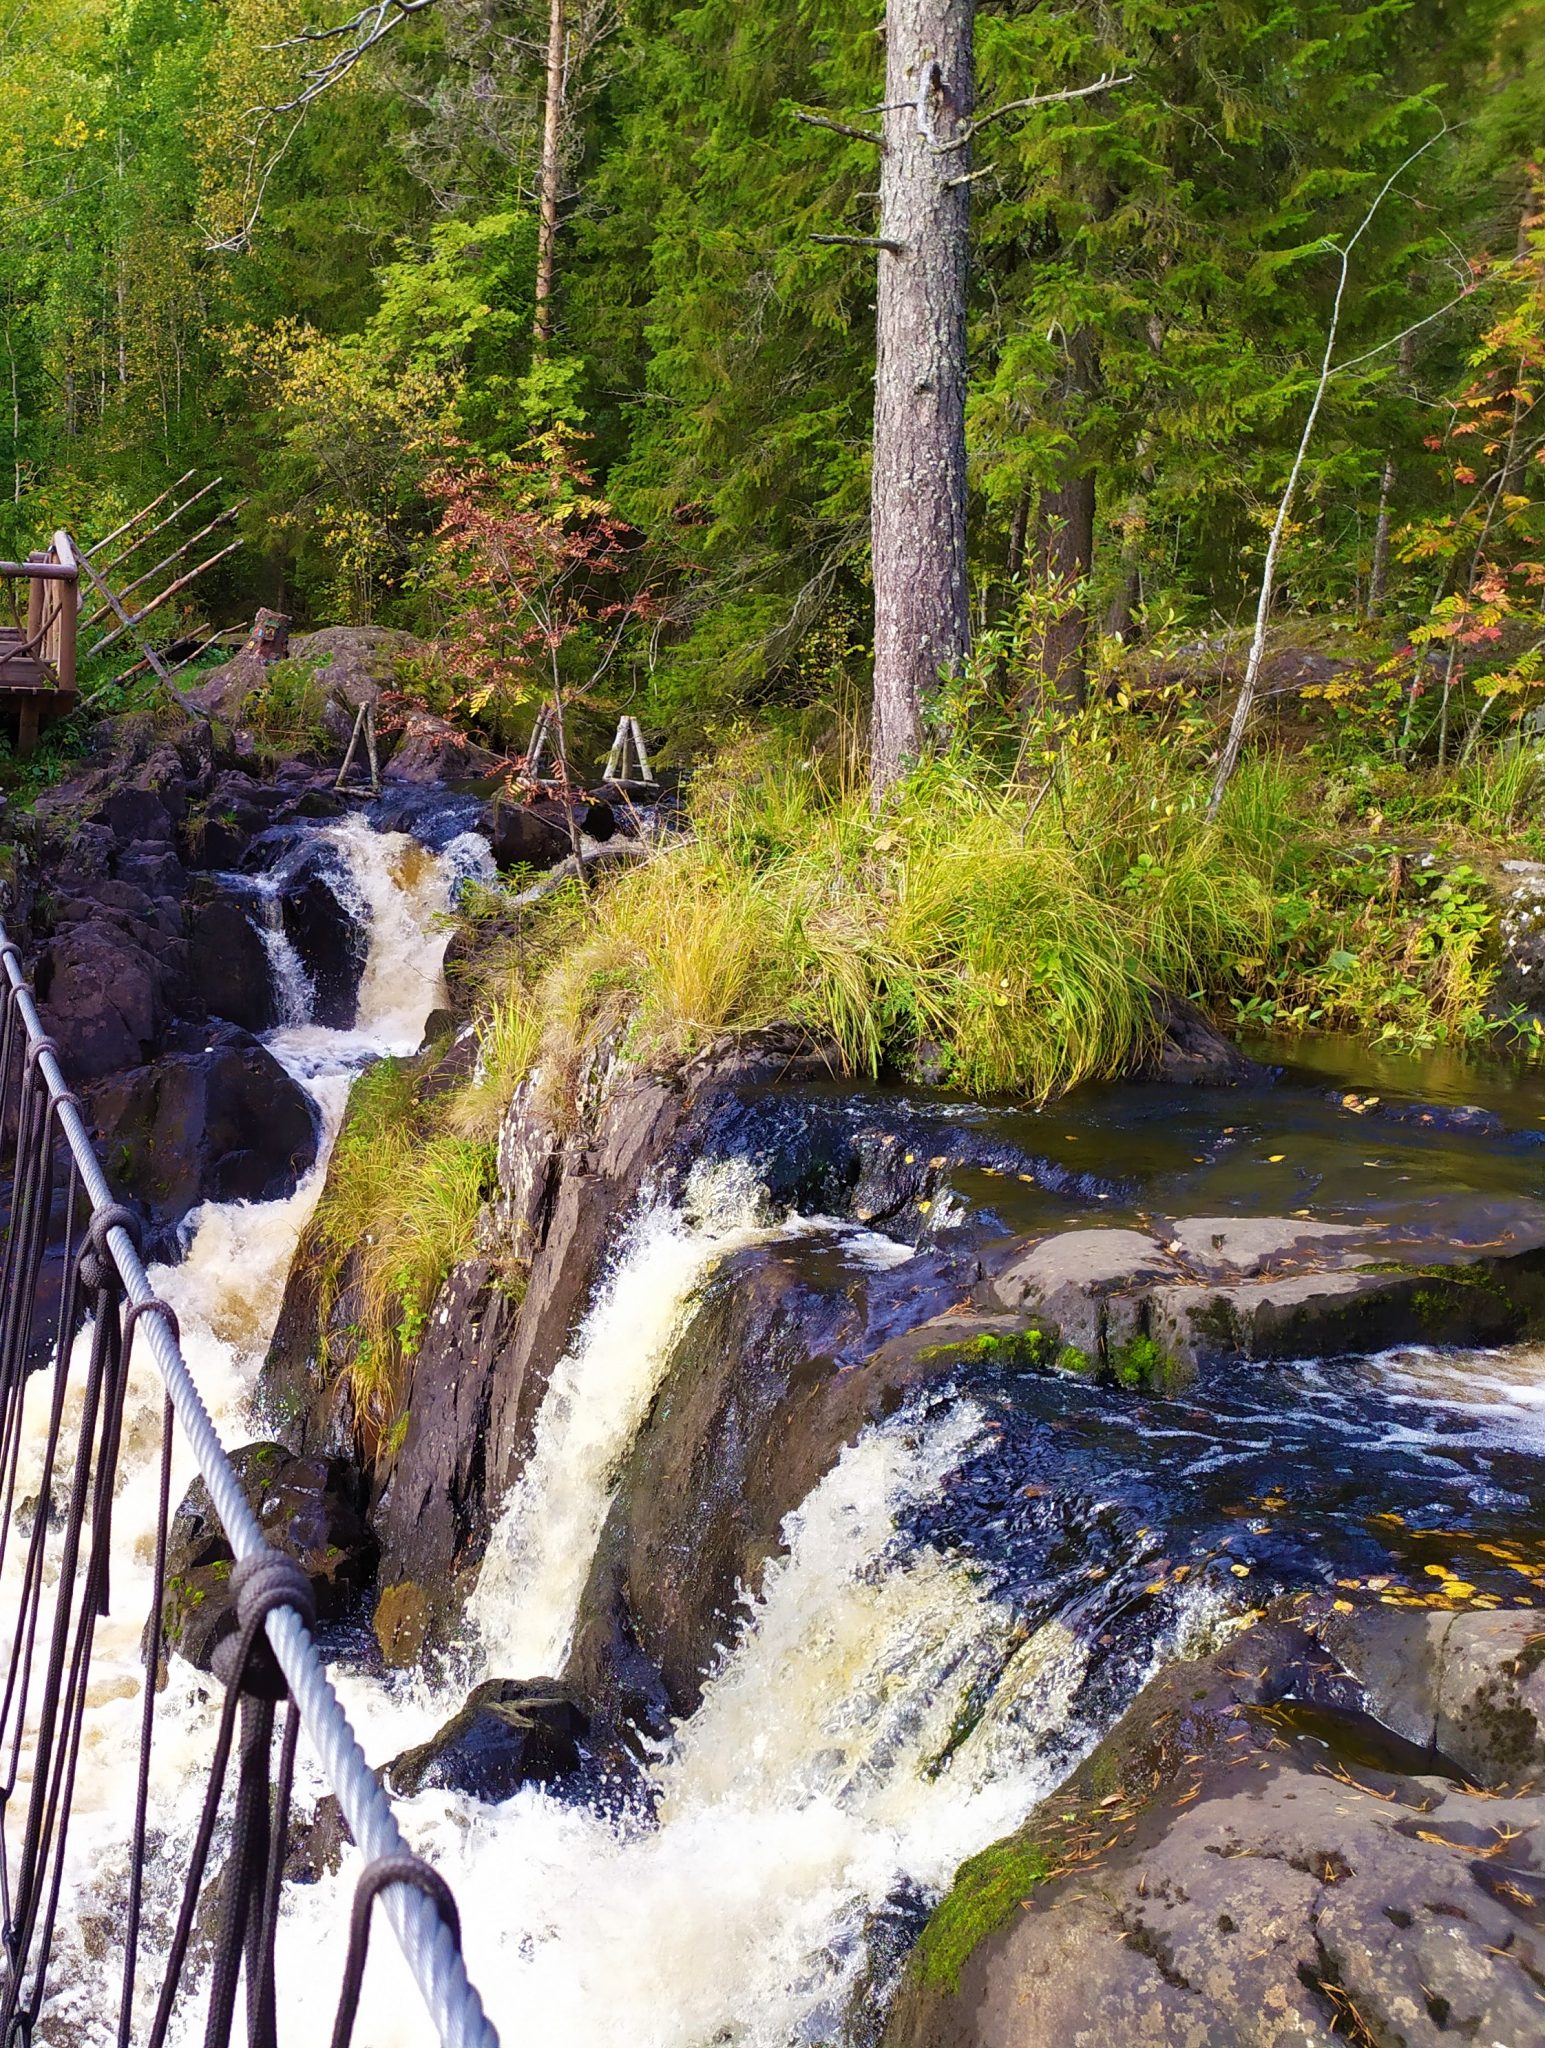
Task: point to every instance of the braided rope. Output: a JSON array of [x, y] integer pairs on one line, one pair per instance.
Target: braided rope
[[107, 1257]]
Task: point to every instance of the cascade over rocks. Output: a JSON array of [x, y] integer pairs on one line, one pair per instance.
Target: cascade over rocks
[[150, 972], [786, 1359], [307, 1507], [330, 943], [477, 1382], [1274, 1838]]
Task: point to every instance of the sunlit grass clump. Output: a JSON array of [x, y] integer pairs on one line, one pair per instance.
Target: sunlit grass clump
[[399, 1210], [1006, 946]]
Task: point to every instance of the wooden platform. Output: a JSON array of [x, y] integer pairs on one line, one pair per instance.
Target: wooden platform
[[28, 690]]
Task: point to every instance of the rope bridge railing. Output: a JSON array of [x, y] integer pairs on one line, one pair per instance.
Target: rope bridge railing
[[59, 1196]]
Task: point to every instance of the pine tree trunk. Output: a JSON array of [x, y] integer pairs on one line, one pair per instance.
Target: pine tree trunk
[[918, 495], [1066, 550], [552, 171]]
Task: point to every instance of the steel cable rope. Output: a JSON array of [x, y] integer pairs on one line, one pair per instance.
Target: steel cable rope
[[273, 1657]]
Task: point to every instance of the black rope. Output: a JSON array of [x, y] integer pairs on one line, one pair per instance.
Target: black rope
[[373, 1880], [79, 1598], [152, 1674], [262, 1583]]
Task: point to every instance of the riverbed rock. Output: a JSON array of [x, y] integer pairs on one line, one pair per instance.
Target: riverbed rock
[[1248, 1858], [228, 970], [508, 1733], [1192, 1051], [330, 940], [1157, 1305], [568, 1168], [104, 995], [307, 1507], [222, 1124], [537, 835]]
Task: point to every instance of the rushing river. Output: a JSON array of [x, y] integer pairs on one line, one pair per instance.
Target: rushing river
[[964, 1604]]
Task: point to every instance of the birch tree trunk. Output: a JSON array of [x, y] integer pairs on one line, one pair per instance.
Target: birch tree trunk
[[552, 172], [918, 494]]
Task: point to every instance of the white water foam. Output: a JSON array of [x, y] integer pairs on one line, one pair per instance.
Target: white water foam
[[227, 1293], [538, 1558], [821, 1774]]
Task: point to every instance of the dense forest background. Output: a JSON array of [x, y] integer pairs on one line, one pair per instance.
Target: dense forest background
[[328, 304]]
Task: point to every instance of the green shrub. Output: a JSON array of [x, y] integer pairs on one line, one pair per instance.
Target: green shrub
[[287, 712]]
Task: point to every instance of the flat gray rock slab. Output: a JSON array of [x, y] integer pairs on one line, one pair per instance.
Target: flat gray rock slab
[[1449, 1269]]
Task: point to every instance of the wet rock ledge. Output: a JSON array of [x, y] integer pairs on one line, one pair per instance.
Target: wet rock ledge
[[1150, 1307], [1333, 1829]]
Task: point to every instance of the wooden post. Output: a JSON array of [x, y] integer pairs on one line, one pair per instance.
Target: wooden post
[[27, 724], [69, 613], [37, 597], [270, 638]]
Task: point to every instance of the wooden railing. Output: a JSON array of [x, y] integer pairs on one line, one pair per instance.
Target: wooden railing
[[53, 608]]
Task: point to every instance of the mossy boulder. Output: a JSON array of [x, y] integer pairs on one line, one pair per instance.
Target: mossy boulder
[[1258, 1855], [307, 1507]]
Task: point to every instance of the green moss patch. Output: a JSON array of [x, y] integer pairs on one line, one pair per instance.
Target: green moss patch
[[986, 1890]]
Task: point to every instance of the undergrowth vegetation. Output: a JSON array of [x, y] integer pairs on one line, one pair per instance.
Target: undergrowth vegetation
[[998, 935], [415, 1185]]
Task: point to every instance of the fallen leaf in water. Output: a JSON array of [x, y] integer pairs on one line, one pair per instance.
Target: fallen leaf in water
[[1378, 1582], [1341, 1606], [1240, 1571], [1275, 1158]]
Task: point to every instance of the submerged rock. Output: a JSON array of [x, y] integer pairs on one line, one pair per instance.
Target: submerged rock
[[307, 1507], [512, 1732], [1256, 1855]]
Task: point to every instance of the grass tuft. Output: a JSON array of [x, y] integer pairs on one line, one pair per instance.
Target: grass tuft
[[399, 1210]]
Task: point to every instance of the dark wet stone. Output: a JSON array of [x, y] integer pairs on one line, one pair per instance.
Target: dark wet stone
[[222, 1124], [228, 968], [104, 995], [307, 1507], [331, 944], [136, 814], [510, 1732]]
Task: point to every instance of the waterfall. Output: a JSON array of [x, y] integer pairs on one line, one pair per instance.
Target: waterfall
[[226, 1292]]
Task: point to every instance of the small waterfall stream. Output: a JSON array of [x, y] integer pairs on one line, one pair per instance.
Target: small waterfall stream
[[943, 1637]]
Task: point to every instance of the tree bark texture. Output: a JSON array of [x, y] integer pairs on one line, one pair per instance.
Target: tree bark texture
[[1378, 574], [552, 171], [918, 494], [1066, 549]]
